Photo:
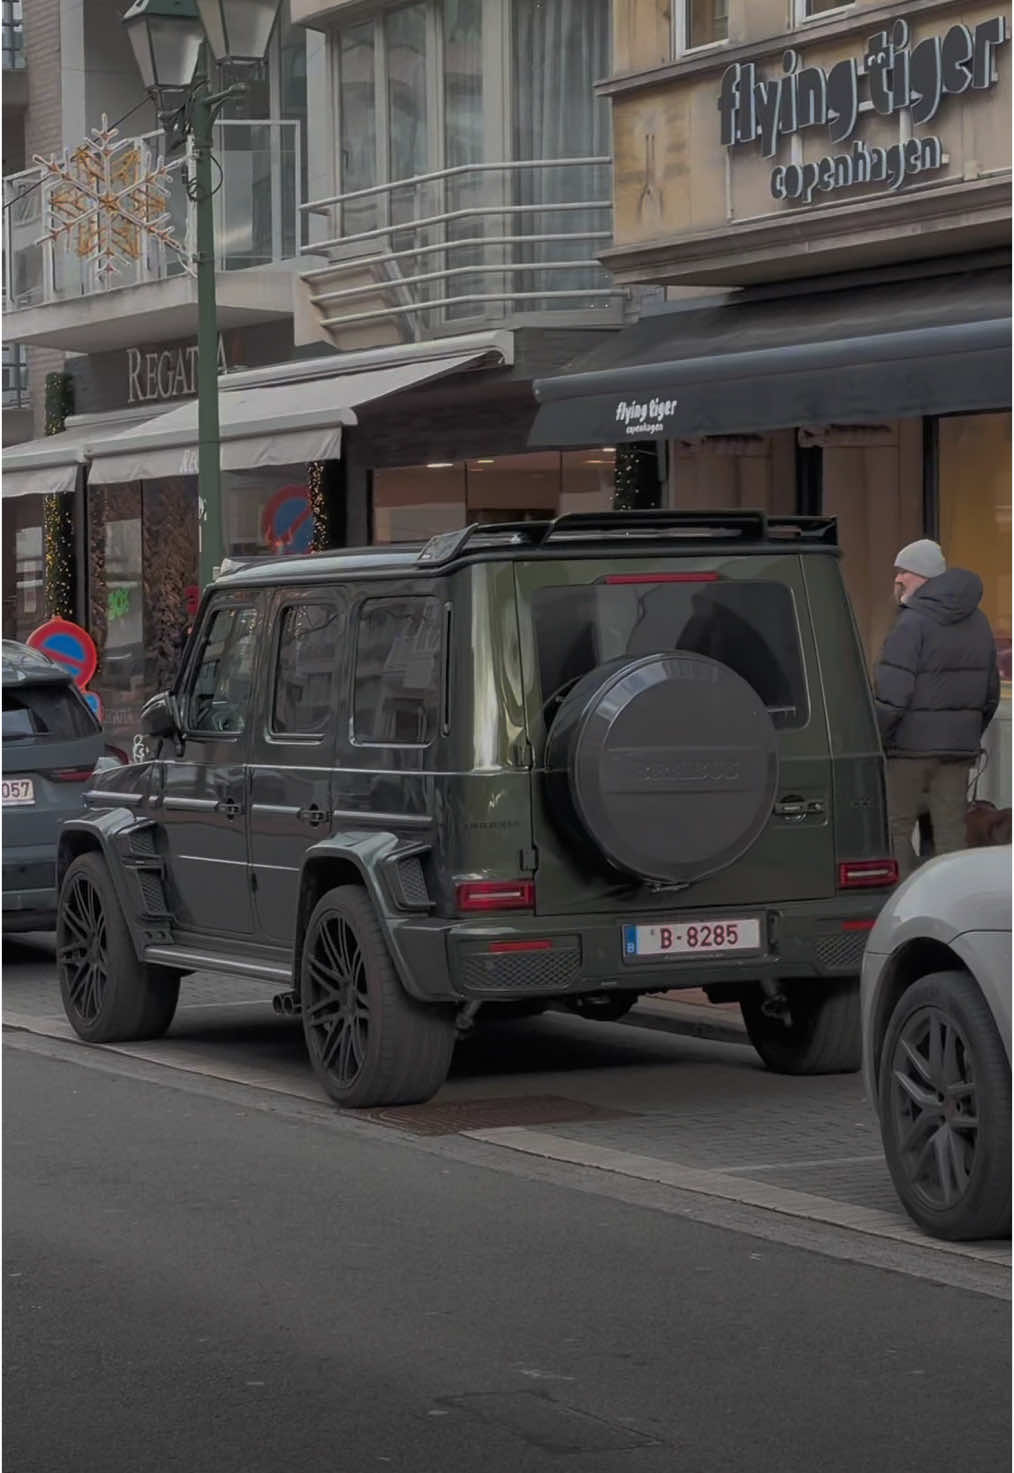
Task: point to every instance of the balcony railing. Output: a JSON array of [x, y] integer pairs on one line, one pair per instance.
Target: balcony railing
[[485, 241], [15, 376], [13, 37], [257, 219]]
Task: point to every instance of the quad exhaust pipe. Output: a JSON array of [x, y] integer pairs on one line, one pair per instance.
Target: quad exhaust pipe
[[287, 1004]]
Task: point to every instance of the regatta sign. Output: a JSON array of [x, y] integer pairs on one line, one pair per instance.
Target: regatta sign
[[169, 374], [892, 77]]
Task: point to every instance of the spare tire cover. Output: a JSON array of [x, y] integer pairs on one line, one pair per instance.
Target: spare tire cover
[[668, 763]]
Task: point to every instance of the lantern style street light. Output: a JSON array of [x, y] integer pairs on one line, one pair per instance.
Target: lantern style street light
[[169, 38]]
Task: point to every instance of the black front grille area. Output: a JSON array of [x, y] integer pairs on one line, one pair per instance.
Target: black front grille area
[[554, 970], [842, 953], [40, 874]]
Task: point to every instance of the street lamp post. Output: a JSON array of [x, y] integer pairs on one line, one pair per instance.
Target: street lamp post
[[168, 37]]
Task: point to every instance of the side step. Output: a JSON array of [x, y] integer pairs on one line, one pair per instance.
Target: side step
[[189, 960]]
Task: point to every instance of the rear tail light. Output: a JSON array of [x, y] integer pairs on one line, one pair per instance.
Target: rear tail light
[[70, 774], [481, 895], [867, 874]]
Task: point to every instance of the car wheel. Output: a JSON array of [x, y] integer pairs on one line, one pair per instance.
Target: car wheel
[[944, 1094], [819, 1033], [108, 995], [369, 1042], [607, 1007]]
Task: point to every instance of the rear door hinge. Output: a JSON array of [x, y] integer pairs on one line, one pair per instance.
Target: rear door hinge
[[529, 860]]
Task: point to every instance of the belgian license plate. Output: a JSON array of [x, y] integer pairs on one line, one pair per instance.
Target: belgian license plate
[[18, 792], [692, 938]]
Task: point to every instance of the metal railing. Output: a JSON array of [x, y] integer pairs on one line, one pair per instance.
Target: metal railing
[[257, 219], [15, 376], [13, 36], [476, 241]]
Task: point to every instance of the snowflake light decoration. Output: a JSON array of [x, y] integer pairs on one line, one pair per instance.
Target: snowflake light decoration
[[106, 197]]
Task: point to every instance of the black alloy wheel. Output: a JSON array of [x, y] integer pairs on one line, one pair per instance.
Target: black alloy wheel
[[82, 947], [933, 1104], [369, 1042], [945, 1109], [109, 993], [336, 1001]]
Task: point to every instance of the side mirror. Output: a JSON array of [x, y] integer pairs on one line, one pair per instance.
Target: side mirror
[[160, 717]]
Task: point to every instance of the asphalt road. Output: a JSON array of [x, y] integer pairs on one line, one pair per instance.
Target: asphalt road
[[201, 1278]]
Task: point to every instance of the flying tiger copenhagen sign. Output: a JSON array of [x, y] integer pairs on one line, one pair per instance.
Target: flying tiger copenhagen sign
[[893, 77]]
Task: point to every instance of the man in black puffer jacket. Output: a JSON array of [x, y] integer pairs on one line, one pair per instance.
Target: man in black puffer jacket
[[936, 687]]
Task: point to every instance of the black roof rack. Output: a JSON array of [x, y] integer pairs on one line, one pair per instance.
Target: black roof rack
[[681, 527]]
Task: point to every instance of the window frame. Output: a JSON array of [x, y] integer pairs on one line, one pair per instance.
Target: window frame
[[184, 688], [497, 91], [287, 602], [355, 628], [802, 16], [681, 33]]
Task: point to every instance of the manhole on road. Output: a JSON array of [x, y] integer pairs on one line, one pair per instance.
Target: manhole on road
[[451, 1117]]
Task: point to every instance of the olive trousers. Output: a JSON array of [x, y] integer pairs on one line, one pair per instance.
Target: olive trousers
[[933, 785]]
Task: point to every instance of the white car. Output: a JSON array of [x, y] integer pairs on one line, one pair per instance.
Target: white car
[[936, 1013]]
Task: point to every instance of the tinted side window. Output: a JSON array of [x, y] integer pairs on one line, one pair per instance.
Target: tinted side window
[[220, 686], [749, 626], [43, 712], [398, 671], [309, 642]]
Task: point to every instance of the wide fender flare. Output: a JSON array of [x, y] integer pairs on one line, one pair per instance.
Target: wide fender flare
[[370, 852], [100, 832]]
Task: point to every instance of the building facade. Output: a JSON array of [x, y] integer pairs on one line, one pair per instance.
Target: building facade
[[412, 203], [823, 191]]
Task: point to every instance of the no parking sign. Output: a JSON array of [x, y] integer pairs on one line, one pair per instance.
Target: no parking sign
[[73, 648], [69, 645], [287, 521]]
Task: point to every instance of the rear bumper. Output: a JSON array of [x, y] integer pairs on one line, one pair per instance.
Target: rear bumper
[[29, 888], [487, 958]]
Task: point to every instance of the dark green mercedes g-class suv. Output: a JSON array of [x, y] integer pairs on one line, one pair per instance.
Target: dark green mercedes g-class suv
[[570, 762]]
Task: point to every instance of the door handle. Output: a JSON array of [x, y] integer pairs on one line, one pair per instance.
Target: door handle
[[313, 815], [229, 807], [794, 807]]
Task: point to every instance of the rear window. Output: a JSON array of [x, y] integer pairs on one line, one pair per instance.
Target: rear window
[[749, 626], [45, 712]]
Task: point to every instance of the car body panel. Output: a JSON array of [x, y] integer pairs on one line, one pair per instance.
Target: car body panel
[[31, 831], [465, 805], [961, 903]]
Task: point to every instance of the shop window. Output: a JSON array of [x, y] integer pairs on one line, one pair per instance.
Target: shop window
[[700, 23], [267, 511], [413, 503], [975, 513], [309, 648], [23, 589], [220, 690], [398, 672]]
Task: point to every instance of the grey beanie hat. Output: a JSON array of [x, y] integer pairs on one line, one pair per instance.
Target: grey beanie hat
[[924, 558]]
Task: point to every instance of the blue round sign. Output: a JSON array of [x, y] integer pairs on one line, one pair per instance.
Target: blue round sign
[[69, 645]]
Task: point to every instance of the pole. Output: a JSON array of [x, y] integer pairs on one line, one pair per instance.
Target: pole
[[209, 472]]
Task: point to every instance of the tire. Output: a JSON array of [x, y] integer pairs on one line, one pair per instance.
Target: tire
[[822, 1034], [369, 1042], [943, 1063], [605, 1007], [108, 995]]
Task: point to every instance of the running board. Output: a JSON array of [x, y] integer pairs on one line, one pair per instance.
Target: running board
[[187, 960]]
